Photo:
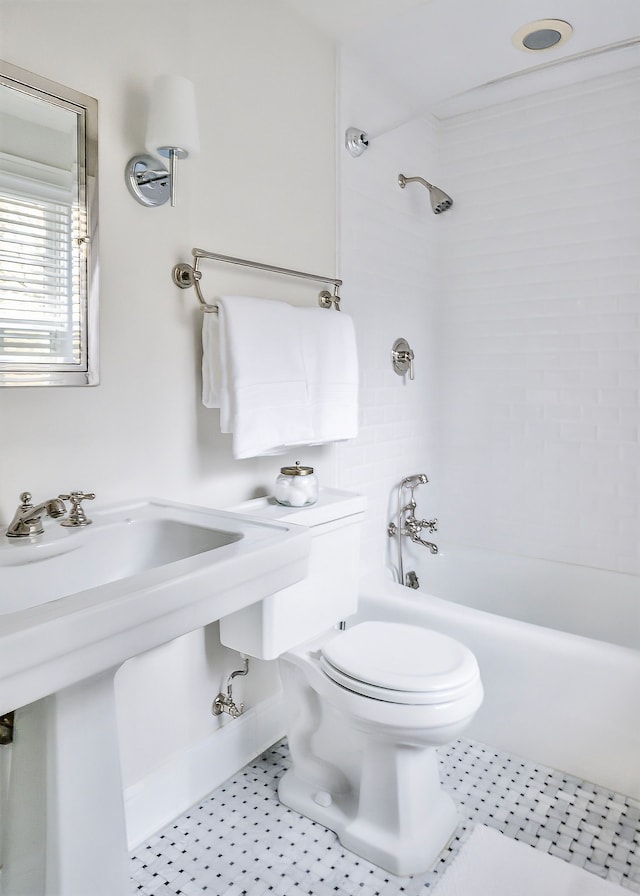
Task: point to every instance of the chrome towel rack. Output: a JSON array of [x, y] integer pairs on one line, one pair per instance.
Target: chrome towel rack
[[186, 275]]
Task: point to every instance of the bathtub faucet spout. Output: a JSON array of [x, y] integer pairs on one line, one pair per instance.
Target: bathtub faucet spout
[[413, 527], [427, 544]]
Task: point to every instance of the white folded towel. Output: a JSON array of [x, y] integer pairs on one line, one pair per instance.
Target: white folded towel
[[282, 376], [211, 366], [331, 363], [263, 394]]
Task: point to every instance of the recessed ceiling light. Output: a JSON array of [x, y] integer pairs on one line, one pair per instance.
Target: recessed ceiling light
[[542, 35]]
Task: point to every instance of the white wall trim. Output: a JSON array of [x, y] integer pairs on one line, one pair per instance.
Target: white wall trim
[[177, 785]]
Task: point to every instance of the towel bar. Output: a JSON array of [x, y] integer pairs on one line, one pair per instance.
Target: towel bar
[[186, 275]]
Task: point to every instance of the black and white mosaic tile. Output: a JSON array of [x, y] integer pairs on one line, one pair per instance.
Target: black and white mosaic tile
[[241, 841]]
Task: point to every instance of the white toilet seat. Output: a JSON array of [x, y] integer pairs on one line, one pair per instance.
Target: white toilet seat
[[397, 663]]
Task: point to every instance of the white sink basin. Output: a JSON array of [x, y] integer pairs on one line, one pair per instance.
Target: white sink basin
[[75, 560], [74, 602]]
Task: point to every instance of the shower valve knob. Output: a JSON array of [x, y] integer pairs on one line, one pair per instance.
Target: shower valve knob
[[410, 355], [402, 357]]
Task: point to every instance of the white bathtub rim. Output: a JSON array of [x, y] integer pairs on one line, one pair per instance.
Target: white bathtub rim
[[588, 601], [378, 587], [445, 548]]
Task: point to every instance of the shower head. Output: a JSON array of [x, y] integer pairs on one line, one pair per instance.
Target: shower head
[[440, 202]]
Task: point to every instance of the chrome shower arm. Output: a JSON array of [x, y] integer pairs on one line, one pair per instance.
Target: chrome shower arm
[[403, 181]]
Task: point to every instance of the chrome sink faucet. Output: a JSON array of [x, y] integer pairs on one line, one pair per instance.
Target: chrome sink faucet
[[27, 518]]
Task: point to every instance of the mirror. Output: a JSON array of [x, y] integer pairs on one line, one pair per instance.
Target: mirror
[[48, 232]]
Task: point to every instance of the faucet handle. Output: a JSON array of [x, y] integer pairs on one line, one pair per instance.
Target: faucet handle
[[75, 497], [25, 500], [77, 516], [431, 525]]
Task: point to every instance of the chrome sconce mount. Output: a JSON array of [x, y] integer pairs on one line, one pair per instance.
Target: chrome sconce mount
[[148, 180], [172, 133]]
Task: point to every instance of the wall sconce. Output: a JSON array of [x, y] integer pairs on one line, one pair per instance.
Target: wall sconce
[[172, 132]]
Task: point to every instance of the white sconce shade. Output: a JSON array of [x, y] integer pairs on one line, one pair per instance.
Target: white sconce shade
[[173, 120], [172, 132]]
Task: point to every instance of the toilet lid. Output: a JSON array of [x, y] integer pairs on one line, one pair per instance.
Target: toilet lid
[[400, 663]]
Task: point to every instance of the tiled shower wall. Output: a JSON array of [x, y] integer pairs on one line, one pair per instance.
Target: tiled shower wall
[[523, 306], [539, 433], [388, 251]]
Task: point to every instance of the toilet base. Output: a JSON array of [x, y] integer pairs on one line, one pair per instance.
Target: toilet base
[[400, 821]]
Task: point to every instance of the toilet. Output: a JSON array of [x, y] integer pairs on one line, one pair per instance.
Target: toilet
[[366, 706]]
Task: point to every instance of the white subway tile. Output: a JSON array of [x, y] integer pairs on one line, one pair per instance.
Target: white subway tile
[[523, 303]]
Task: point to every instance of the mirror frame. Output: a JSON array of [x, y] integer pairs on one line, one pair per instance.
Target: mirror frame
[[86, 109]]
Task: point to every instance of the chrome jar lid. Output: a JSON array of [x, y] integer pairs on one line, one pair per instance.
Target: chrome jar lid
[[297, 470]]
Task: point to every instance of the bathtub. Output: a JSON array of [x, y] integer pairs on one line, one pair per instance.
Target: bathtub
[[558, 648]]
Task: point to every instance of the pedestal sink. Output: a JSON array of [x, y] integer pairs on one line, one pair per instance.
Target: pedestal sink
[[74, 605]]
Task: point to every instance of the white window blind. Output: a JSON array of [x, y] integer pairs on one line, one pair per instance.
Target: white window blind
[[41, 315]]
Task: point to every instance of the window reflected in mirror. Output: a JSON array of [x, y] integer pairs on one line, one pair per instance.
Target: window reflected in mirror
[[48, 233]]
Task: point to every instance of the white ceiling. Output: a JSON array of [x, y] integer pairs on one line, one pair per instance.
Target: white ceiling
[[443, 56], [344, 18]]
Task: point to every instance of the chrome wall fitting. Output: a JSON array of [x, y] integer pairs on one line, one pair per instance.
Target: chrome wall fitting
[[407, 524], [402, 357], [414, 481], [411, 580], [412, 527], [77, 515], [356, 141], [326, 300], [148, 180], [27, 518], [224, 702]]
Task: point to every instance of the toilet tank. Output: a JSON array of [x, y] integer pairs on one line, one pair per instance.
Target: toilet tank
[[329, 593]]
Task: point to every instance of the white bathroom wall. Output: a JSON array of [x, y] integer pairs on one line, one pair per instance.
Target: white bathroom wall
[[389, 241], [523, 305], [256, 190], [540, 432], [263, 187]]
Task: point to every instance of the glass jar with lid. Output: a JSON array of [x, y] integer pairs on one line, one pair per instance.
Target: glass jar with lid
[[296, 486]]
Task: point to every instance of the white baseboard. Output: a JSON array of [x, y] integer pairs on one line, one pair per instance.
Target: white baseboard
[[170, 790]]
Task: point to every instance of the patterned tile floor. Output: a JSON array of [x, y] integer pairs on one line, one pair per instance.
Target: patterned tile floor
[[241, 841]]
